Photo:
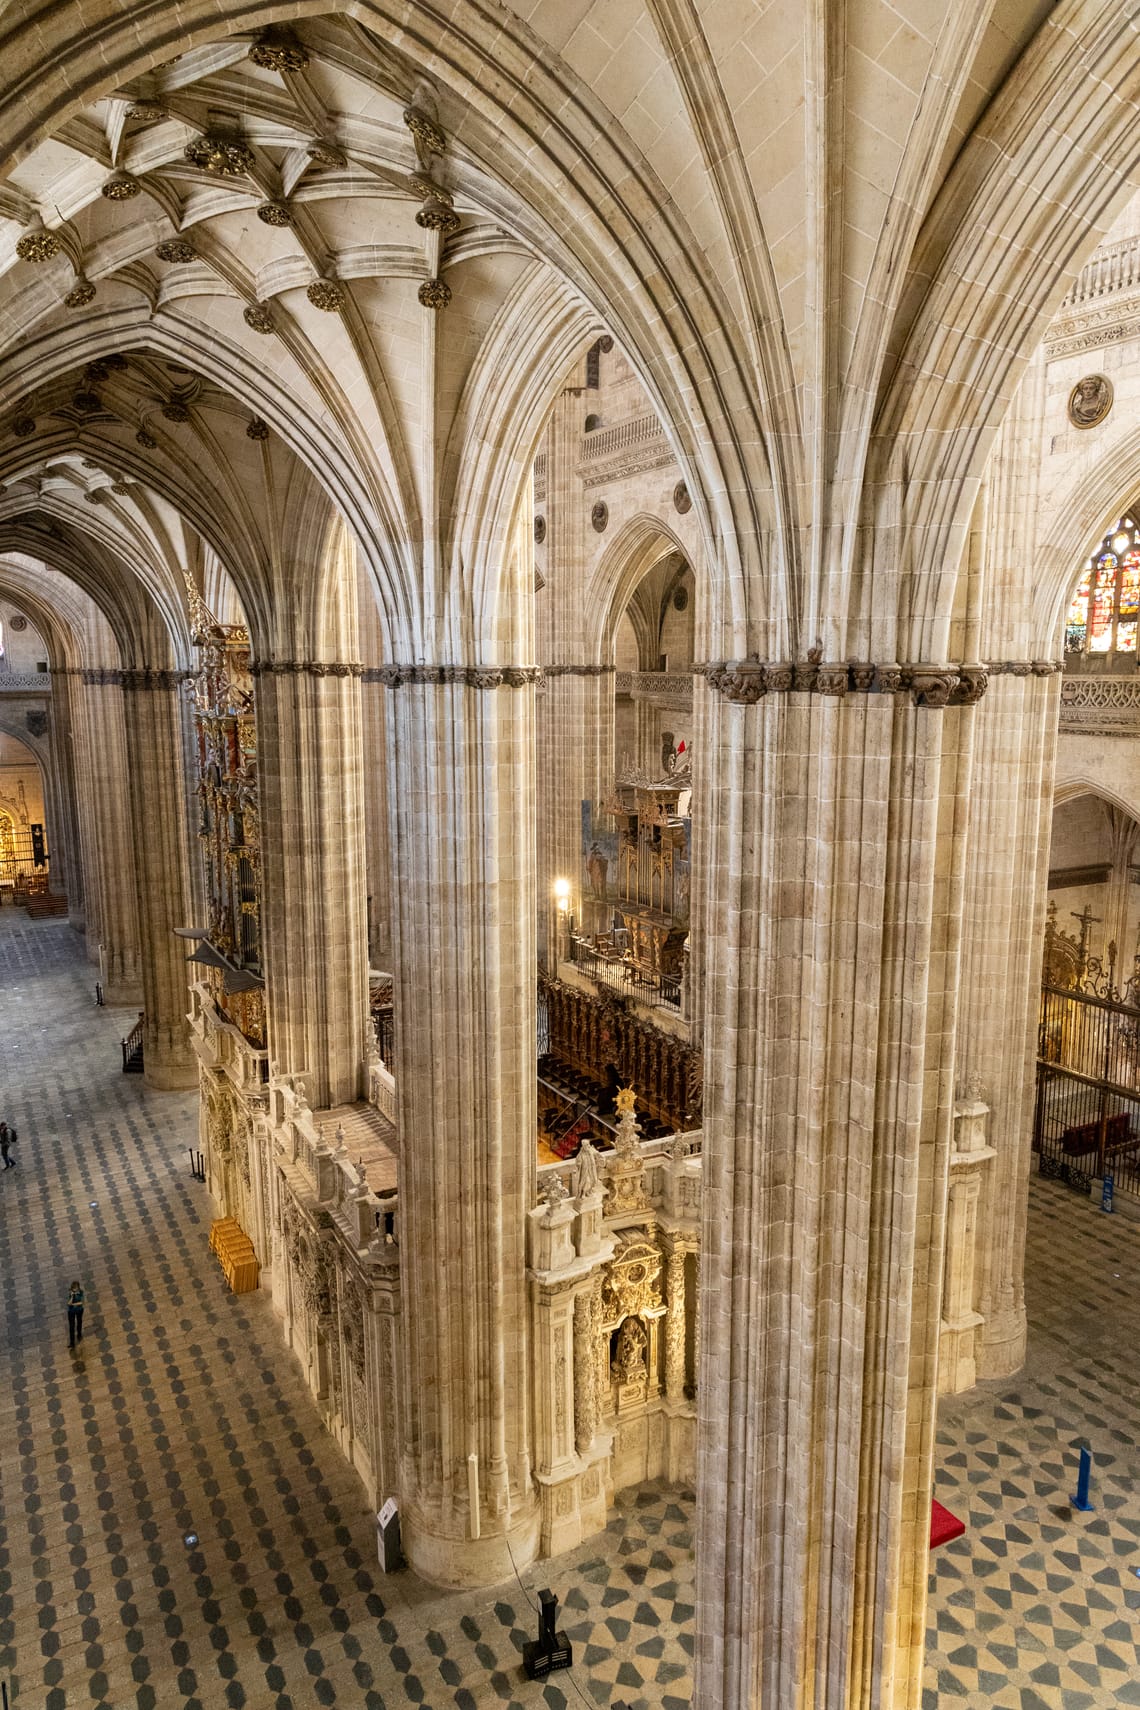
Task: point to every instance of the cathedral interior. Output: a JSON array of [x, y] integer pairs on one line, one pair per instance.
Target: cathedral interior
[[569, 852]]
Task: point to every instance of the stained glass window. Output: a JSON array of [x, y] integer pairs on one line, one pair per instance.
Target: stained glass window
[[1106, 606]]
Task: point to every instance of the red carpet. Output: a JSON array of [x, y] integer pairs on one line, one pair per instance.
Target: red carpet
[[943, 1525]]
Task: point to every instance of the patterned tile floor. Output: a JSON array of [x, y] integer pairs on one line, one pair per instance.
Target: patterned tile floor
[[180, 1413], [1035, 1608]]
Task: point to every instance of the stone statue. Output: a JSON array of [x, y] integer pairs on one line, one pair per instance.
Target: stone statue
[[587, 1177], [629, 1358], [553, 1193]]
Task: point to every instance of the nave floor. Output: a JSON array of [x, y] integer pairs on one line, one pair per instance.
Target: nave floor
[[183, 1412], [1035, 1608]]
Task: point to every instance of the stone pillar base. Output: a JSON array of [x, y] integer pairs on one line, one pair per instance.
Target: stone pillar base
[[170, 1074], [457, 1564], [574, 1502], [1000, 1351], [957, 1354], [122, 994]]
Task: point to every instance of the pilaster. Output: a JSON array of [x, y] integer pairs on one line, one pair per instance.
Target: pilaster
[[152, 713], [1004, 923], [961, 1322]]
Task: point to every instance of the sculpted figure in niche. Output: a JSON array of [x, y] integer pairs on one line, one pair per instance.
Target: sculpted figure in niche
[[587, 1177], [1090, 400], [629, 1358]]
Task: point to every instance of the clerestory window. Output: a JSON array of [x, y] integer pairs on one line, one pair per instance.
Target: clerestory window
[[1106, 605]]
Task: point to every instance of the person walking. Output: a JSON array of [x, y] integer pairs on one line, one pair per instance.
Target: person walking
[[7, 1141], [74, 1314]]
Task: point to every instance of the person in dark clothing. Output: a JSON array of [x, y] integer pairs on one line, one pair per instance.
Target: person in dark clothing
[[7, 1140], [74, 1314]]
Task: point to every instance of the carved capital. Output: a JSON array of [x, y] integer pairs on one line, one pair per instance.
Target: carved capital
[[972, 683], [740, 680], [931, 685], [831, 679]]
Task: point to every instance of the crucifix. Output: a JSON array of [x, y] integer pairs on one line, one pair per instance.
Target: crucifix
[[1086, 920]]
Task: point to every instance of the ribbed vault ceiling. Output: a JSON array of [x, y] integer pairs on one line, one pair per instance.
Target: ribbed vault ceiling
[[289, 285]]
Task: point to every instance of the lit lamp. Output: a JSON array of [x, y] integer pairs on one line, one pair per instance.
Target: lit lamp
[[562, 904]]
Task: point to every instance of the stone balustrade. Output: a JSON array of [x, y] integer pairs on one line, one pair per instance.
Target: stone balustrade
[[673, 689], [25, 682], [1100, 706], [382, 1089], [222, 1046], [1113, 268], [661, 1190]]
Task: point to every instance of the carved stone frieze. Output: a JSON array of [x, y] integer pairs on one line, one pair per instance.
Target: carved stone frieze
[[154, 680], [305, 668], [579, 670], [1101, 706], [746, 681], [1024, 667], [471, 676]]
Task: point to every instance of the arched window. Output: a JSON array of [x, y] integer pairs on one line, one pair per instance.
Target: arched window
[[1103, 615]]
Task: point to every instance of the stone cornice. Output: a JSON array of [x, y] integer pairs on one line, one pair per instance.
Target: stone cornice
[[111, 677], [1094, 327], [746, 681], [306, 668], [154, 680], [470, 676], [1024, 667], [578, 670]]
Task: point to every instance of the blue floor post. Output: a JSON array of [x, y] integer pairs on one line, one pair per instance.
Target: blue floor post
[[1081, 1499]]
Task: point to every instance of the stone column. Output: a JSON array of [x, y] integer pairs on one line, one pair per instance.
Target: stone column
[[575, 764], [585, 1371], [72, 878], [311, 783], [376, 827], [103, 779], [817, 828], [675, 1325], [1006, 897], [461, 745], [152, 706]]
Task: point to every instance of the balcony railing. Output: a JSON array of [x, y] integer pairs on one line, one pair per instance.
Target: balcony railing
[[25, 682], [1115, 267]]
